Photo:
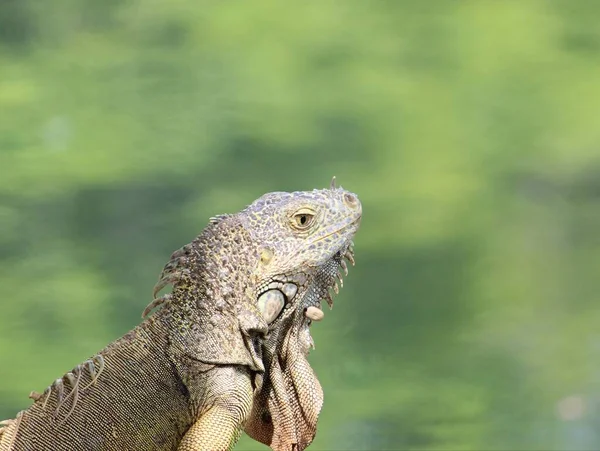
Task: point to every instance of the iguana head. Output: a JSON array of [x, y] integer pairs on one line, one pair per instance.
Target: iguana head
[[305, 238]]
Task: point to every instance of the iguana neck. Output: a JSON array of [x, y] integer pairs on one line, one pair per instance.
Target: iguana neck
[[217, 269], [212, 316]]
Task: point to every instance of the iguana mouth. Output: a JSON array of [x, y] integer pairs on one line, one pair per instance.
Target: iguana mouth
[[354, 224]]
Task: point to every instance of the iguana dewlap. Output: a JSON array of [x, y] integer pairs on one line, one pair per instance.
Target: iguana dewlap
[[224, 352]]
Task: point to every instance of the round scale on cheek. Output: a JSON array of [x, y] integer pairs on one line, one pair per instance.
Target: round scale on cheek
[[270, 304]]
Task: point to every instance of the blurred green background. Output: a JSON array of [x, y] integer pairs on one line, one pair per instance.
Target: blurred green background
[[469, 129]]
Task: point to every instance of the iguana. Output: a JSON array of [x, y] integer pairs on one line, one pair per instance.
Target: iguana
[[225, 351]]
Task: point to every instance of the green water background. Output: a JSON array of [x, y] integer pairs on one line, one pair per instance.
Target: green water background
[[469, 129]]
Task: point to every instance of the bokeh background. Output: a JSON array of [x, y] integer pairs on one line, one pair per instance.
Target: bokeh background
[[469, 129]]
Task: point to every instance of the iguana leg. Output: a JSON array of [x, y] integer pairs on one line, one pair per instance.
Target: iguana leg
[[216, 430], [227, 400]]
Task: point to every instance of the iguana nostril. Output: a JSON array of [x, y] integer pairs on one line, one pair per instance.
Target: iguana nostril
[[351, 200]]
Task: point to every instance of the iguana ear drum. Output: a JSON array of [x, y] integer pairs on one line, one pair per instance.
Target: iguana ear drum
[[270, 304]]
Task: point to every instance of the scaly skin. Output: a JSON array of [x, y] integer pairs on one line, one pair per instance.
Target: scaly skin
[[224, 352]]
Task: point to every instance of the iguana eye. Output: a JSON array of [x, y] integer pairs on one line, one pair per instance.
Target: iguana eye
[[303, 219]]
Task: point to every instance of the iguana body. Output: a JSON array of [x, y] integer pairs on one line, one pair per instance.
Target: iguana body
[[225, 352]]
